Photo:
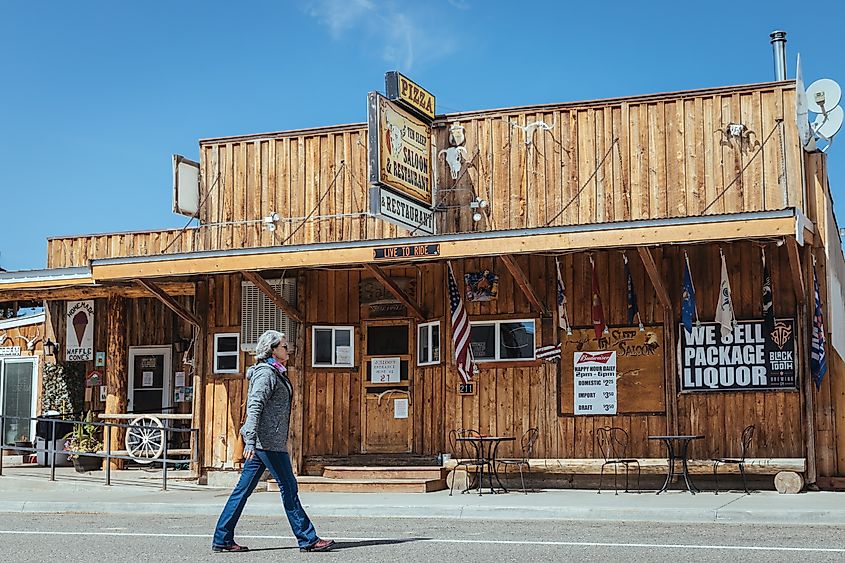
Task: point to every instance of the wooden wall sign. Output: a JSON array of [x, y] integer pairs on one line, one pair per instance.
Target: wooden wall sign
[[406, 251], [639, 366]]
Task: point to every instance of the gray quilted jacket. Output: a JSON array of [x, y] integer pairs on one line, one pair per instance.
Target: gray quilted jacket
[[267, 409]]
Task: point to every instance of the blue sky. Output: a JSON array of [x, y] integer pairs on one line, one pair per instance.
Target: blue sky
[[95, 96]]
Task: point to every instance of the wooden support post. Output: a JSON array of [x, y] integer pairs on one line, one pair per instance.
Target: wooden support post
[[795, 267], [524, 284], [297, 426], [117, 377], [169, 302], [198, 405], [655, 277], [271, 294], [397, 292]]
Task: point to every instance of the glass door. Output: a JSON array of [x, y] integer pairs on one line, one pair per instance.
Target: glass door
[[149, 380], [18, 379]]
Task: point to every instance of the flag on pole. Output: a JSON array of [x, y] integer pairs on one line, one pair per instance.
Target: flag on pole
[[768, 303], [563, 319], [598, 311], [460, 330], [725, 306], [818, 361], [633, 307], [688, 305]]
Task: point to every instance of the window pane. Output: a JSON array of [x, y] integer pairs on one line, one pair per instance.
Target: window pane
[[323, 346], [227, 363], [391, 339], [17, 400], [482, 338], [342, 336], [227, 343], [516, 340], [435, 343], [422, 344]]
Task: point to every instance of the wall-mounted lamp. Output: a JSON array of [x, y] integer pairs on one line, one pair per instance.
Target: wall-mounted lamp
[[270, 221], [50, 347], [180, 345]]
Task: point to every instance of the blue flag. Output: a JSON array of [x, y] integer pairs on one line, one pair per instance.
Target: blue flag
[[688, 306], [818, 361]]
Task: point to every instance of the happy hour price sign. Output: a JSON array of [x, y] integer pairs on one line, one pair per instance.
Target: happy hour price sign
[[595, 383]]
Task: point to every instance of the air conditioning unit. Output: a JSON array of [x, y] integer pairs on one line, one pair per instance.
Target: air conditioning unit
[[260, 314]]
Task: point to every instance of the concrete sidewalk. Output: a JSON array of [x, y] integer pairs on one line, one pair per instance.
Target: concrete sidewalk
[[86, 494]]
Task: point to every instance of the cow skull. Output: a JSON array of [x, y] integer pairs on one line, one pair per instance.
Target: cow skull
[[454, 155], [529, 129]]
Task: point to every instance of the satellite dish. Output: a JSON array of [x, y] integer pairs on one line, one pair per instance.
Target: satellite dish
[[802, 111], [823, 95], [827, 125]]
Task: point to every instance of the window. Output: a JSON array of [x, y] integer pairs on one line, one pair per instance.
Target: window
[[259, 313], [332, 346], [494, 341], [227, 353], [428, 344]]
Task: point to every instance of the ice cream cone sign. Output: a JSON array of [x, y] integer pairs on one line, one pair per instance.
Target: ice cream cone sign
[[79, 337]]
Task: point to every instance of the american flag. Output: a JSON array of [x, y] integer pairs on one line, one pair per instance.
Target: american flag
[[460, 330], [818, 361]]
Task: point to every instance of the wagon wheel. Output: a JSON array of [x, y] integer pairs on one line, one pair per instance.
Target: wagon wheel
[[145, 439]]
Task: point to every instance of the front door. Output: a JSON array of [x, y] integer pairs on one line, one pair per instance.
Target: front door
[[387, 364], [149, 380], [18, 380]]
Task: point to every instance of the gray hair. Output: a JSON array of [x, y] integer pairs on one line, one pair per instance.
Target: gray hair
[[266, 343]]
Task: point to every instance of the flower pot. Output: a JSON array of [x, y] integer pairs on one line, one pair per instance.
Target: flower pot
[[85, 464]]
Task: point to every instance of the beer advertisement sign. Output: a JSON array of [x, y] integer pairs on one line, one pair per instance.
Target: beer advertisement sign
[[745, 360]]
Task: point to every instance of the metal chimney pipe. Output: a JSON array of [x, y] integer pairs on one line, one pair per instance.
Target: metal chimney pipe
[[779, 52]]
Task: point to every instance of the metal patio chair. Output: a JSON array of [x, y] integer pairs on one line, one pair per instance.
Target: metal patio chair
[[745, 443], [528, 441], [613, 443], [467, 456]]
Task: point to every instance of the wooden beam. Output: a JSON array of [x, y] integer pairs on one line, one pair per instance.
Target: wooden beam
[[117, 365], [397, 292], [95, 292], [524, 284], [169, 302], [271, 294], [654, 276], [795, 267]]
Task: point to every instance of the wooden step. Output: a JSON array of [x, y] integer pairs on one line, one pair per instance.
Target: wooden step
[[383, 472], [328, 485]]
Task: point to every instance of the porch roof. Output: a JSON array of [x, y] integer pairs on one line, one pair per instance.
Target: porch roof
[[788, 222]]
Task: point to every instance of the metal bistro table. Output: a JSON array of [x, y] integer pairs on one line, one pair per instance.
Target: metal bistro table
[[680, 454], [485, 450]]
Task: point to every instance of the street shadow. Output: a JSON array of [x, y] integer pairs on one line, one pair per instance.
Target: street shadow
[[374, 542], [286, 548]]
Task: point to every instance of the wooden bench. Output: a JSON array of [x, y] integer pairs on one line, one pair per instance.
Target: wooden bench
[[787, 471]]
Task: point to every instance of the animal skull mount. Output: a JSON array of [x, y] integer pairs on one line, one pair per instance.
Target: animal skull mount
[[457, 134], [741, 133], [454, 158], [529, 129]]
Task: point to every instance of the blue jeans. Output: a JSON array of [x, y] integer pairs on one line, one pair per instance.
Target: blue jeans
[[279, 465]]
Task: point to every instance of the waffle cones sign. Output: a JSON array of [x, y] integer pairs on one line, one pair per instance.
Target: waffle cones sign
[[79, 337]]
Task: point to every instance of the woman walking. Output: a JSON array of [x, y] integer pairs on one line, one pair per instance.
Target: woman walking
[[265, 435]]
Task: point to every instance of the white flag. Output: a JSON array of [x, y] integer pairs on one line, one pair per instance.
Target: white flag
[[725, 305]]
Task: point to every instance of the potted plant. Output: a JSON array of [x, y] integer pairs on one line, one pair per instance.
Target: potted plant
[[83, 439]]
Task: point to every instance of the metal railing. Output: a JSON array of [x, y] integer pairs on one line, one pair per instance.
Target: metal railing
[[51, 451]]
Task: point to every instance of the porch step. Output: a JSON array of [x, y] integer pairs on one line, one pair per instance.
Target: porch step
[[330, 485], [385, 472]]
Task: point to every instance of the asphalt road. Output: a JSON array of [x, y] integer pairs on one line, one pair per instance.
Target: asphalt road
[[131, 538]]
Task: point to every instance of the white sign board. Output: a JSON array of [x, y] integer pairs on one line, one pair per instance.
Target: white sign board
[[10, 351], [401, 210], [343, 355], [595, 383], [79, 335], [147, 380], [179, 379], [384, 370], [400, 408]]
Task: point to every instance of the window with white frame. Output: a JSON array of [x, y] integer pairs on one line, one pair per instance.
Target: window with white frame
[[505, 340], [428, 343], [332, 346], [227, 352]]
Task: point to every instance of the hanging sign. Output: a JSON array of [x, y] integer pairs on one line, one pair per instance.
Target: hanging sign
[[79, 336], [401, 210], [385, 370], [402, 89], [745, 360], [399, 150], [10, 351], [93, 379], [595, 383], [406, 251]]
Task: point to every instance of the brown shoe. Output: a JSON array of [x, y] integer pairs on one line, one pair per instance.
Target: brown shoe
[[319, 545], [234, 548]]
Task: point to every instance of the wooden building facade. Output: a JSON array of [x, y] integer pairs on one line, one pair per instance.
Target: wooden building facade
[[651, 179]]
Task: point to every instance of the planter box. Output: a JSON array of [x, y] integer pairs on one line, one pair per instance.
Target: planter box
[[85, 464]]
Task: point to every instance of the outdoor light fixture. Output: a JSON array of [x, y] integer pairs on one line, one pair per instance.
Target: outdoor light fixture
[[180, 345], [50, 347], [476, 204], [270, 221]]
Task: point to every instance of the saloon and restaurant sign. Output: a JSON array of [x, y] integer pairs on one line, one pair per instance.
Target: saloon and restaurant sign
[[400, 158], [745, 360]]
